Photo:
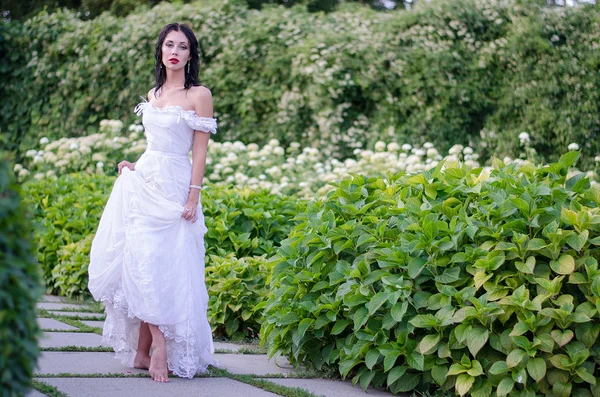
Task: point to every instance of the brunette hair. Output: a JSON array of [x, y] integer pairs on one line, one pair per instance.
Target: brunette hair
[[191, 77]]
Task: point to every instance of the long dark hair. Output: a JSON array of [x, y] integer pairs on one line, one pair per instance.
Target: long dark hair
[[191, 77]]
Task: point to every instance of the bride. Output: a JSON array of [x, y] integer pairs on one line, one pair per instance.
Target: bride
[[147, 258]]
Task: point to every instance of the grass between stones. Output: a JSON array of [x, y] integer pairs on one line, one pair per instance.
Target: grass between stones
[[47, 389]]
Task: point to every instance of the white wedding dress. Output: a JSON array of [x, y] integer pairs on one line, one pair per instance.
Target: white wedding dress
[[146, 261]]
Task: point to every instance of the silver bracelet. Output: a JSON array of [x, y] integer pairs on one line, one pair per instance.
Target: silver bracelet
[[199, 187]]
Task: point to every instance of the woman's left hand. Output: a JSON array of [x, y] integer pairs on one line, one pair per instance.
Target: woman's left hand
[[190, 211]]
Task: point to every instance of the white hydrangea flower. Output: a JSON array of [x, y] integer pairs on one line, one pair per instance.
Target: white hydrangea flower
[[597, 159], [39, 176], [279, 151], [44, 141], [420, 152], [74, 146], [100, 164], [18, 167], [428, 145], [31, 153], [406, 147], [252, 147], [524, 137], [274, 143], [23, 173], [393, 147], [468, 150], [456, 149], [262, 177], [573, 146], [380, 146]]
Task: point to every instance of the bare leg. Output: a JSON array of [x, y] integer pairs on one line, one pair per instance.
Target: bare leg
[[142, 357], [158, 361]]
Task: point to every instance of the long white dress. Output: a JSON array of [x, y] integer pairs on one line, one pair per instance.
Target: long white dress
[[146, 261]]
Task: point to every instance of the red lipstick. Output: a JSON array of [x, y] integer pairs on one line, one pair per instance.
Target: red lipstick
[[174, 60]]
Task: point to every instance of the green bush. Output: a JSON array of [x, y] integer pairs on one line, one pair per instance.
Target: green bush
[[237, 290], [66, 214], [456, 279], [246, 222], [19, 290], [444, 72]]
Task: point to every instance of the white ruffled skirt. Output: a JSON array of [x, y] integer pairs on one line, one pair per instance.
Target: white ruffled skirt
[[147, 264]]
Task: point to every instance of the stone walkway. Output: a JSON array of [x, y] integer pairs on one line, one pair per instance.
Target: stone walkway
[[75, 362]]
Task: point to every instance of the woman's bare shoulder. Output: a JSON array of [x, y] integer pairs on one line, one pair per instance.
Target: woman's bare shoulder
[[151, 93], [202, 98]]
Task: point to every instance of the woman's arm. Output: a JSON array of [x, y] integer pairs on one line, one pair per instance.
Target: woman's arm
[[202, 99]]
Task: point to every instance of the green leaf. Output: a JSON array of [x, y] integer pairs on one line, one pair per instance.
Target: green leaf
[[564, 265], [429, 343], [439, 373], [339, 326], [515, 358], [360, 317], [463, 383], [561, 389], [526, 267], [476, 339], [569, 158], [416, 361], [398, 310], [585, 375], [536, 368], [390, 360], [347, 365], [498, 368], [505, 386], [376, 302], [395, 374], [371, 358], [577, 241], [536, 244], [562, 337]]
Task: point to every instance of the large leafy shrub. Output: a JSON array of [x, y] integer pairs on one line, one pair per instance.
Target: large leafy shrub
[[66, 213], [444, 72], [246, 222], [458, 279], [19, 289], [237, 290]]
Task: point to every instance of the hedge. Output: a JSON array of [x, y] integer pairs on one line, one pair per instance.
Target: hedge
[[447, 72], [20, 288]]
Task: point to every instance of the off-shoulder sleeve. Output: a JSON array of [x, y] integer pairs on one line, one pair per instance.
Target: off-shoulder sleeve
[[205, 124]]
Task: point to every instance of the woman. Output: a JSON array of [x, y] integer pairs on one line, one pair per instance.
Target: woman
[[147, 258]]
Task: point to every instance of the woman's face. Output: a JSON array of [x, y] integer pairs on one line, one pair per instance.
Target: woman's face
[[175, 50]]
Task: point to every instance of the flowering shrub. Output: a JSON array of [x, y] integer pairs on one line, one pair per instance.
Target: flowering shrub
[[302, 171], [450, 71], [484, 282]]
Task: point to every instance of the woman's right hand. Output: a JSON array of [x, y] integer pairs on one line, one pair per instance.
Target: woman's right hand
[[127, 164]]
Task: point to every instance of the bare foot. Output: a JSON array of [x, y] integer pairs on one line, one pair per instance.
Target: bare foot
[[158, 362], [141, 361]]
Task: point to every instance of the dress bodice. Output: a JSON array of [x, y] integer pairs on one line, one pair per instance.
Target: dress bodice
[[171, 128]]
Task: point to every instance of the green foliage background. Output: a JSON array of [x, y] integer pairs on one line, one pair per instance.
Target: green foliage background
[[447, 72], [20, 287]]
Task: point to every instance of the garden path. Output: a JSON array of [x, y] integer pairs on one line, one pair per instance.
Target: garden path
[[74, 363]]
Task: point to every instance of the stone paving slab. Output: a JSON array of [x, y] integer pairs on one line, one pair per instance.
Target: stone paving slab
[[76, 314], [93, 323], [331, 388], [138, 387], [82, 363], [235, 346], [105, 363], [256, 364], [57, 306], [50, 323], [51, 298], [62, 339]]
